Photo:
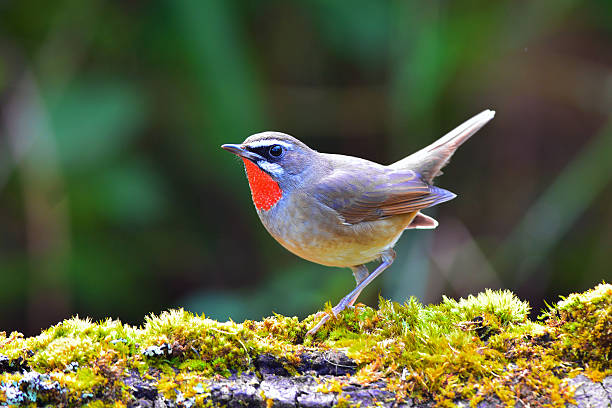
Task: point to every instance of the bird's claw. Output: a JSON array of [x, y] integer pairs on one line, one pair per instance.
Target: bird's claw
[[343, 304], [339, 308], [336, 310], [316, 328]]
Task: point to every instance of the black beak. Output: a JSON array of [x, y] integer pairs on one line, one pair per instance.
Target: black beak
[[239, 150]]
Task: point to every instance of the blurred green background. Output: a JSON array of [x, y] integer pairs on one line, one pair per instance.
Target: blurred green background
[[116, 200]]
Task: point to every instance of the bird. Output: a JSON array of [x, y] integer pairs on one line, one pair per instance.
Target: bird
[[345, 211]]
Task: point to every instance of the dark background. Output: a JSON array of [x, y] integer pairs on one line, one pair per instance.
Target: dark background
[[116, 200]]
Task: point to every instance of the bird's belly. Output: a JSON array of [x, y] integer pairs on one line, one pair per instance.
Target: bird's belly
[[317, 235]]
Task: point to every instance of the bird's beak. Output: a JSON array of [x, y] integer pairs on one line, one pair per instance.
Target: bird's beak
[[241, 151]]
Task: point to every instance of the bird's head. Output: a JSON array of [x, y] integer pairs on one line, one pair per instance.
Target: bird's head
[[275, 164]]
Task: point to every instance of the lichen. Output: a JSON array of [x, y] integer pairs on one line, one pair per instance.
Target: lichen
[[472, 349]]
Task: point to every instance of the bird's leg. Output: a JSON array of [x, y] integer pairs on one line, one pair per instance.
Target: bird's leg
[[387, 259], [388, 256], [360, 272]]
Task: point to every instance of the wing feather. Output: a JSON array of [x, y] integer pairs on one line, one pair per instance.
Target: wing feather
[[382, 193]]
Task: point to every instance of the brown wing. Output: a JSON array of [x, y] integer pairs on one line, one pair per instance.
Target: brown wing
[[377, 193]]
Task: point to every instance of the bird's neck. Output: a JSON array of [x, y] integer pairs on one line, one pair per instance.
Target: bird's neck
[[265, 191]]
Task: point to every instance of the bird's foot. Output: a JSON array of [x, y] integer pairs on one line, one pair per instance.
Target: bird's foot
[[343, 304], [336, 310], [316, 328]]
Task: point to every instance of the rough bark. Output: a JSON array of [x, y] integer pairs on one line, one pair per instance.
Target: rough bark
[[272, 385]]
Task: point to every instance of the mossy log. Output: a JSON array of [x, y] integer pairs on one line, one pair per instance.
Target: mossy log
[[481, 351]]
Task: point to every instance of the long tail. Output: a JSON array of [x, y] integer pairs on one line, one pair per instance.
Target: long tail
[[429, 160]]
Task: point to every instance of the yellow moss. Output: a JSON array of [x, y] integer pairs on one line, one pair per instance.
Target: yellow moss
[[269, 401], [102, 404], [83, 380], [467, 348], [343, 401], [333, 385], [584, 324], [188, 384], [596, 375]]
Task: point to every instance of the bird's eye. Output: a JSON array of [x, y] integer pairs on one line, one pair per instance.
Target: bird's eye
[[276, 151]]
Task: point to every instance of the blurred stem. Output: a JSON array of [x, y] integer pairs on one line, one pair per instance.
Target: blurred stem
[[46, 210], [558, 208]]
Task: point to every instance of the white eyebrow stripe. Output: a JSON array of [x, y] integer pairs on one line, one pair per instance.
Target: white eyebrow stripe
[[269, 142]]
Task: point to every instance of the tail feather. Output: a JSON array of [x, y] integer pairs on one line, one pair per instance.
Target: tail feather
[[429, 160], [441, 195], [422, 221]]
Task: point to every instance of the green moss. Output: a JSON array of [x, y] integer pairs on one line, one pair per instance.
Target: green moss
[[468, 348], [583, 325]]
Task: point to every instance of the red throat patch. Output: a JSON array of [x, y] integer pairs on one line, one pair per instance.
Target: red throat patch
[[264, 189]]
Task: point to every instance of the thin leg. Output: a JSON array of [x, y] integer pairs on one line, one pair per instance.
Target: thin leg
[[387, 259], [360, 272]]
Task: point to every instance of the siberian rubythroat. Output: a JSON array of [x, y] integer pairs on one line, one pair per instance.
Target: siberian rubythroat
[[340, 210]]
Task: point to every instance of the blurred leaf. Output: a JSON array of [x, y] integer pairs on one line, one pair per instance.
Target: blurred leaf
[[106, 285], [130, 192], [14, 278], [93, 120], [360, 31]]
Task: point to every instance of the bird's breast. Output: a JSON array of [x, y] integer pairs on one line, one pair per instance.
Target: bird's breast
[[317, 233]]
